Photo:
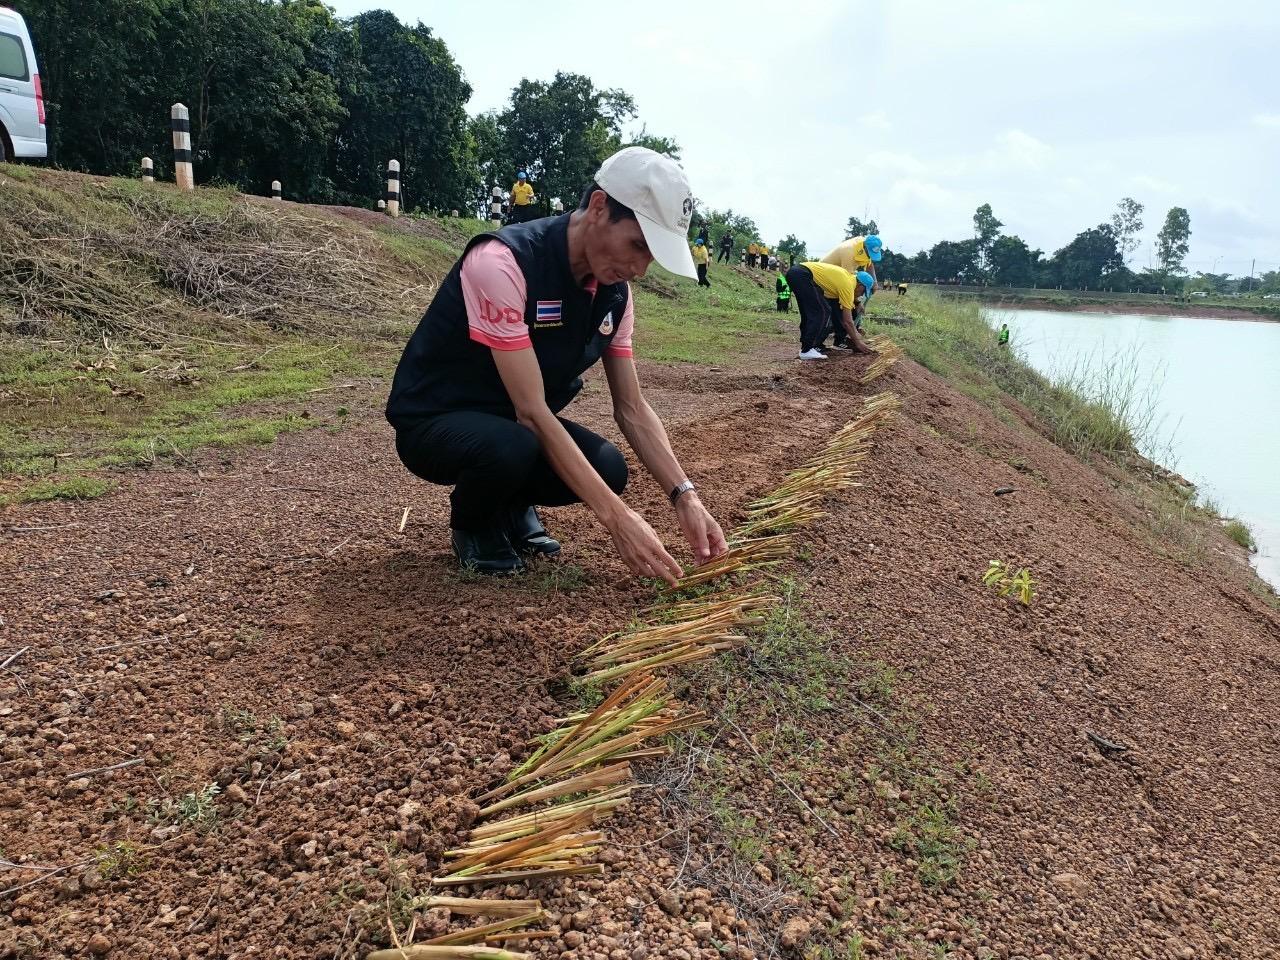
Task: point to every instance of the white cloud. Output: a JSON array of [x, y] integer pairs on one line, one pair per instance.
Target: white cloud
[[1154, 184], [1024, 149], [1267, 120], [878, 120], [889, 161]]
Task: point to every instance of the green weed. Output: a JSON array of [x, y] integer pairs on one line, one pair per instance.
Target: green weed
[[1007, 582], [933, 840], [121, 859], [63, 488], [1241, 534], [193, 809]]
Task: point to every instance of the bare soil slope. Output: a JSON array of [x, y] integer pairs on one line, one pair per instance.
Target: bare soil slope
[[174, 619]]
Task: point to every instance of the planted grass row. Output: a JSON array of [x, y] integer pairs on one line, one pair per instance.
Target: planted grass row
[[542, 821]]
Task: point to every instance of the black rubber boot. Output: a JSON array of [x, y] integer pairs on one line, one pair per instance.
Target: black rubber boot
[[527, 533], [486, 551]]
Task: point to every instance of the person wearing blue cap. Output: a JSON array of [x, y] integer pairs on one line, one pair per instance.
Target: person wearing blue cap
[[522, 207], [701, 257], [864, 287], [854, 254], [858, 253]]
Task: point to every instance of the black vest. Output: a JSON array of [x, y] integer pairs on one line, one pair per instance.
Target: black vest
[[443, 369]]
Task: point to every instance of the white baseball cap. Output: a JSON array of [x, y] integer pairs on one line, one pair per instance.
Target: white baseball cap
[[654, 186]]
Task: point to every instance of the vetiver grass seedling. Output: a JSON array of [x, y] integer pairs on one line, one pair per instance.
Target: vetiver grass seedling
[[1004, 580]]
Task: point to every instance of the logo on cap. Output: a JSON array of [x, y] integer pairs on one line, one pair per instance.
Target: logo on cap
[[606, 325]]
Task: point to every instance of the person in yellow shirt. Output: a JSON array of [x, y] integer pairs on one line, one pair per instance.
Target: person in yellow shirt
[[811, 284], [764, 257], [701, 256], [858, 253], [522, 208], [753, 251]]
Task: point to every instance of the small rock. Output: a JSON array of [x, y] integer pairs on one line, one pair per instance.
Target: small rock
[[572, 939], [1072, 883], [670, 902], [794, 933], [702, 931], [397, 708], [235, 793], [99, 945], [346, 729]]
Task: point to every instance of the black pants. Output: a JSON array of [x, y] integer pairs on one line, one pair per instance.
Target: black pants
[[494, 463], [813, 306], [723, 255], [523, 212], [702, 276], [784, 306], [834, 326]]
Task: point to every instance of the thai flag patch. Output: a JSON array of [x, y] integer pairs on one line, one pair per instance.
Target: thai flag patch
[[548, 313]]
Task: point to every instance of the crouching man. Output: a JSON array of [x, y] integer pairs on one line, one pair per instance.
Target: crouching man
[[500, 353]]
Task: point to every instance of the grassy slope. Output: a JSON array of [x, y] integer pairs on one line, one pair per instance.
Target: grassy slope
[[120, 351]]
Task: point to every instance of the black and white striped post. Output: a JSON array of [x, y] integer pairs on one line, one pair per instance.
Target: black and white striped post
[[183, 172], [495, 207], [393, 188], [453, 213], [275, 190], [148, 170], [382, 206], [557, 207]]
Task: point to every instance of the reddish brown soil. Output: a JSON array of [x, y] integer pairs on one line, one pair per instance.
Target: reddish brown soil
[[276, 582]]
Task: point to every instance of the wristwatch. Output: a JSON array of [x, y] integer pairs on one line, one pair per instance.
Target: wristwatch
[[681, 489]]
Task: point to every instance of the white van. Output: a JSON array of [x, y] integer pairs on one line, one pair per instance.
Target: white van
[[22, 131]]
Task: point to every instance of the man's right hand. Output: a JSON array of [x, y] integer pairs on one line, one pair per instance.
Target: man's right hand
[[640, 548]]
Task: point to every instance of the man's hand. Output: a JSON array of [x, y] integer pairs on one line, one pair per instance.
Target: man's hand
[[700, 528], [640, 548]]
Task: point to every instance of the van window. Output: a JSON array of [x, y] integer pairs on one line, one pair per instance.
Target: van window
[[13, 61]]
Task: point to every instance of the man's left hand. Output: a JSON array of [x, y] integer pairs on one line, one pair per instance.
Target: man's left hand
[[700, 529]]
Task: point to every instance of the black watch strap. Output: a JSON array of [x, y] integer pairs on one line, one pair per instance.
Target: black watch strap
[[681, 489]]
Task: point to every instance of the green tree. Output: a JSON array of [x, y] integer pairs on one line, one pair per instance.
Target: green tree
[[1172, 240], [985, 230], [1010, 262], [560, 132], [955, 260], [719, 222], [91, 124], [1211, 283], [1085, 262], [860, 228], [407, 106], [1269, 282], [654, 142], [1127, 224], [791, 246]]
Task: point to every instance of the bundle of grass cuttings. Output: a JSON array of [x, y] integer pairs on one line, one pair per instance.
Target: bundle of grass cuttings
[[889, 354], [422, 951], [555, 848], [795, 502], [744, 556], [683, 633], [612, 734]]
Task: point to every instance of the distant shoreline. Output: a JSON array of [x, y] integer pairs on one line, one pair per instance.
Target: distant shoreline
[[1087, 301], [1149, 309]]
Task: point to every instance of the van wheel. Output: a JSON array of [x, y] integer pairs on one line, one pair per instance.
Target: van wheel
[[4, 153]]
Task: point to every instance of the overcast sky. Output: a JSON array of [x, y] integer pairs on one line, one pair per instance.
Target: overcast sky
[[917, 112]]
